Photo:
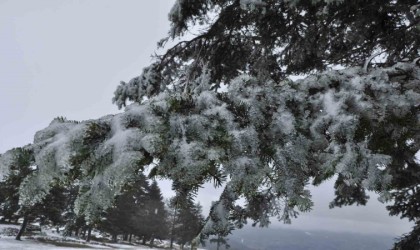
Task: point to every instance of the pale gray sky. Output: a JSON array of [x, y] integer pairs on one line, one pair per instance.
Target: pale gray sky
[[66, 57]]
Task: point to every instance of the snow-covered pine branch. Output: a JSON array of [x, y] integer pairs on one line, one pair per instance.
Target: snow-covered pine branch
[[266, 139]]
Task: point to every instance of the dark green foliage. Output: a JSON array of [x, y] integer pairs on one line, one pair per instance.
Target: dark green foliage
[[220, 241], [277, 38], [127, 214], [51, 210], [402, 144], [187, 219], [283, 37], [9, 188], [346, 195], [410, 241], [118, 219], [157, 217], [267, 136], [139, 211]]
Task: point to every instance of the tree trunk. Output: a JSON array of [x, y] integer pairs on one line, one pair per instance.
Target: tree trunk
[[172, 242], [144, 240], [114, 238], [173, 230], [152, 241], [192, 245], [89, 234], [23, 227], [129, 238]]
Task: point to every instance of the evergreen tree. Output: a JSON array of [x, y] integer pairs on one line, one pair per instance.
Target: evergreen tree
[[20, 168], [73, 221], [264, 137], [139, 210], [187, 221], [51, 210], [171, 220], [139, 218], [128, 214], [21, 161], [156, 221], [220, 241], [117, 218]]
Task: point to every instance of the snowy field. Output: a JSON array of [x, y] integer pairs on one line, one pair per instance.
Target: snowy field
[[48, 240]]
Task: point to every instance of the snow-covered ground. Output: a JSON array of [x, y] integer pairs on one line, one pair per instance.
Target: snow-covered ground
[[48, 240]]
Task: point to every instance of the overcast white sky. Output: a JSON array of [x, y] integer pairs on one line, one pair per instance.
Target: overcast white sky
[[66, 57]]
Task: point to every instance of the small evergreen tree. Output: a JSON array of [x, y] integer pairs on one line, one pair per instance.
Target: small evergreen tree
[[156, 221], [188, 220], [51, 210], [117, 218], [127, 215]]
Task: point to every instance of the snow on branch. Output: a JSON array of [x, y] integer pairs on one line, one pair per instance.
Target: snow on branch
[[267, 139]]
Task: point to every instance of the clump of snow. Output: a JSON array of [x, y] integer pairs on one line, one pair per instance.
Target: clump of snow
[[6, 160]]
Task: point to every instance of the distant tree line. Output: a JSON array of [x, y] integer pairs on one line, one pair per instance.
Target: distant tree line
[[139, 212]]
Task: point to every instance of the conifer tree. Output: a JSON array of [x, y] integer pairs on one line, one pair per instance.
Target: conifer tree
[[21, 162], [187, 220], [117, 218], [156, 221], [263, 137], [51, 210], [128, 214], [139, 210], [9, 188]]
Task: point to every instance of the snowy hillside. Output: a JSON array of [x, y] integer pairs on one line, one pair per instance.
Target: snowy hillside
[[49, 240]]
